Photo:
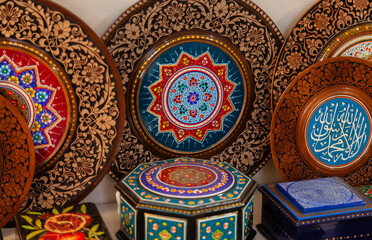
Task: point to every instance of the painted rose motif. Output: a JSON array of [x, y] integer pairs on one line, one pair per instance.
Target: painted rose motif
[[69, 224]]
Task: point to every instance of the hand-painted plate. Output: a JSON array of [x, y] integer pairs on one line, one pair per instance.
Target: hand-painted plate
[[40, 90], [59, 75], [197, 78], [328, 29], [322, 123], [17, 160]]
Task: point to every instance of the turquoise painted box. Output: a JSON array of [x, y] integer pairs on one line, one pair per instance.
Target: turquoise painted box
[[186, 199], [326, 208]]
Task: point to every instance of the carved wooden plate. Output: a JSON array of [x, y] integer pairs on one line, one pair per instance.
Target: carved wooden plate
[[197, 79], [17, 160], [322, 123], [328, 29], [59, 75]]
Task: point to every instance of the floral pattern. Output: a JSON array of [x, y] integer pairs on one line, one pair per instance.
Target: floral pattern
[[333, 71], [366, 190], [310, 37], [161, 227], [76, 50], [27, 81], [184, 107], [77, 222], [137, 31], [17, 157], [218, 227]]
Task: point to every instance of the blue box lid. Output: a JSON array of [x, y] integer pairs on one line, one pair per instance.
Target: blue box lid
[[320, 194], [277, 198]]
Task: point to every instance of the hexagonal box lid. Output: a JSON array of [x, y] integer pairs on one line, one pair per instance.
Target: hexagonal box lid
[[186, 184]]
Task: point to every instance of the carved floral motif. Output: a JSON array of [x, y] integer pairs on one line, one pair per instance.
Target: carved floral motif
[[17, 158], [331, 72], [310, 37], [82, 59], [241, 23]]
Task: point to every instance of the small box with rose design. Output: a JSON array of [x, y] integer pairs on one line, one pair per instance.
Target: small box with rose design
[[78, 222], [186, 199]]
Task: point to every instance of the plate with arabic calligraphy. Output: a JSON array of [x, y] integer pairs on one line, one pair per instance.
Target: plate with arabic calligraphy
[[59, 75], [322, 123], [17, 160], [328, 29], [196, 86]]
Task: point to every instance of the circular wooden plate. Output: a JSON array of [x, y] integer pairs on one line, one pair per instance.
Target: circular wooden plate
[[41, 91], [17, 160], [197, 77], [65, 83], [322, 123], [328, 29]]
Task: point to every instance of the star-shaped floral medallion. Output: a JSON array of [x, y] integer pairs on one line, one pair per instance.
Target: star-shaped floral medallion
[[191, 97]]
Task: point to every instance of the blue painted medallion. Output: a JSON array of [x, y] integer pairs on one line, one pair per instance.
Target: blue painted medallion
[[338, 131], [191, 97]]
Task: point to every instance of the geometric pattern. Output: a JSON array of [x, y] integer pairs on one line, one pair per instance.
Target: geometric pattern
[[191, 97], [218, 227], [165, 235], [186, 179], [39, 94], [248, 218], [217, 235], [231, 184], [128, 218], [164, 228], [366, 190], [320, 194], [41, 115]]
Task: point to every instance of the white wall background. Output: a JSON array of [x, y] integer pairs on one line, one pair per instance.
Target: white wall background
[[100, 14]]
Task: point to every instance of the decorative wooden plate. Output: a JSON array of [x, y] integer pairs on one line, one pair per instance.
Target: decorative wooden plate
[[17, 161], [197, 78], [328, 29], [40, 90], [60, 76], [322, 123]]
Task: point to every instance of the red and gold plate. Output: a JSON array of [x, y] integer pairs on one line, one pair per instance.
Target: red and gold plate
[[57, 72]]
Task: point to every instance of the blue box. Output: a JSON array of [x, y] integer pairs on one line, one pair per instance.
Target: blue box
[[325, 208]]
